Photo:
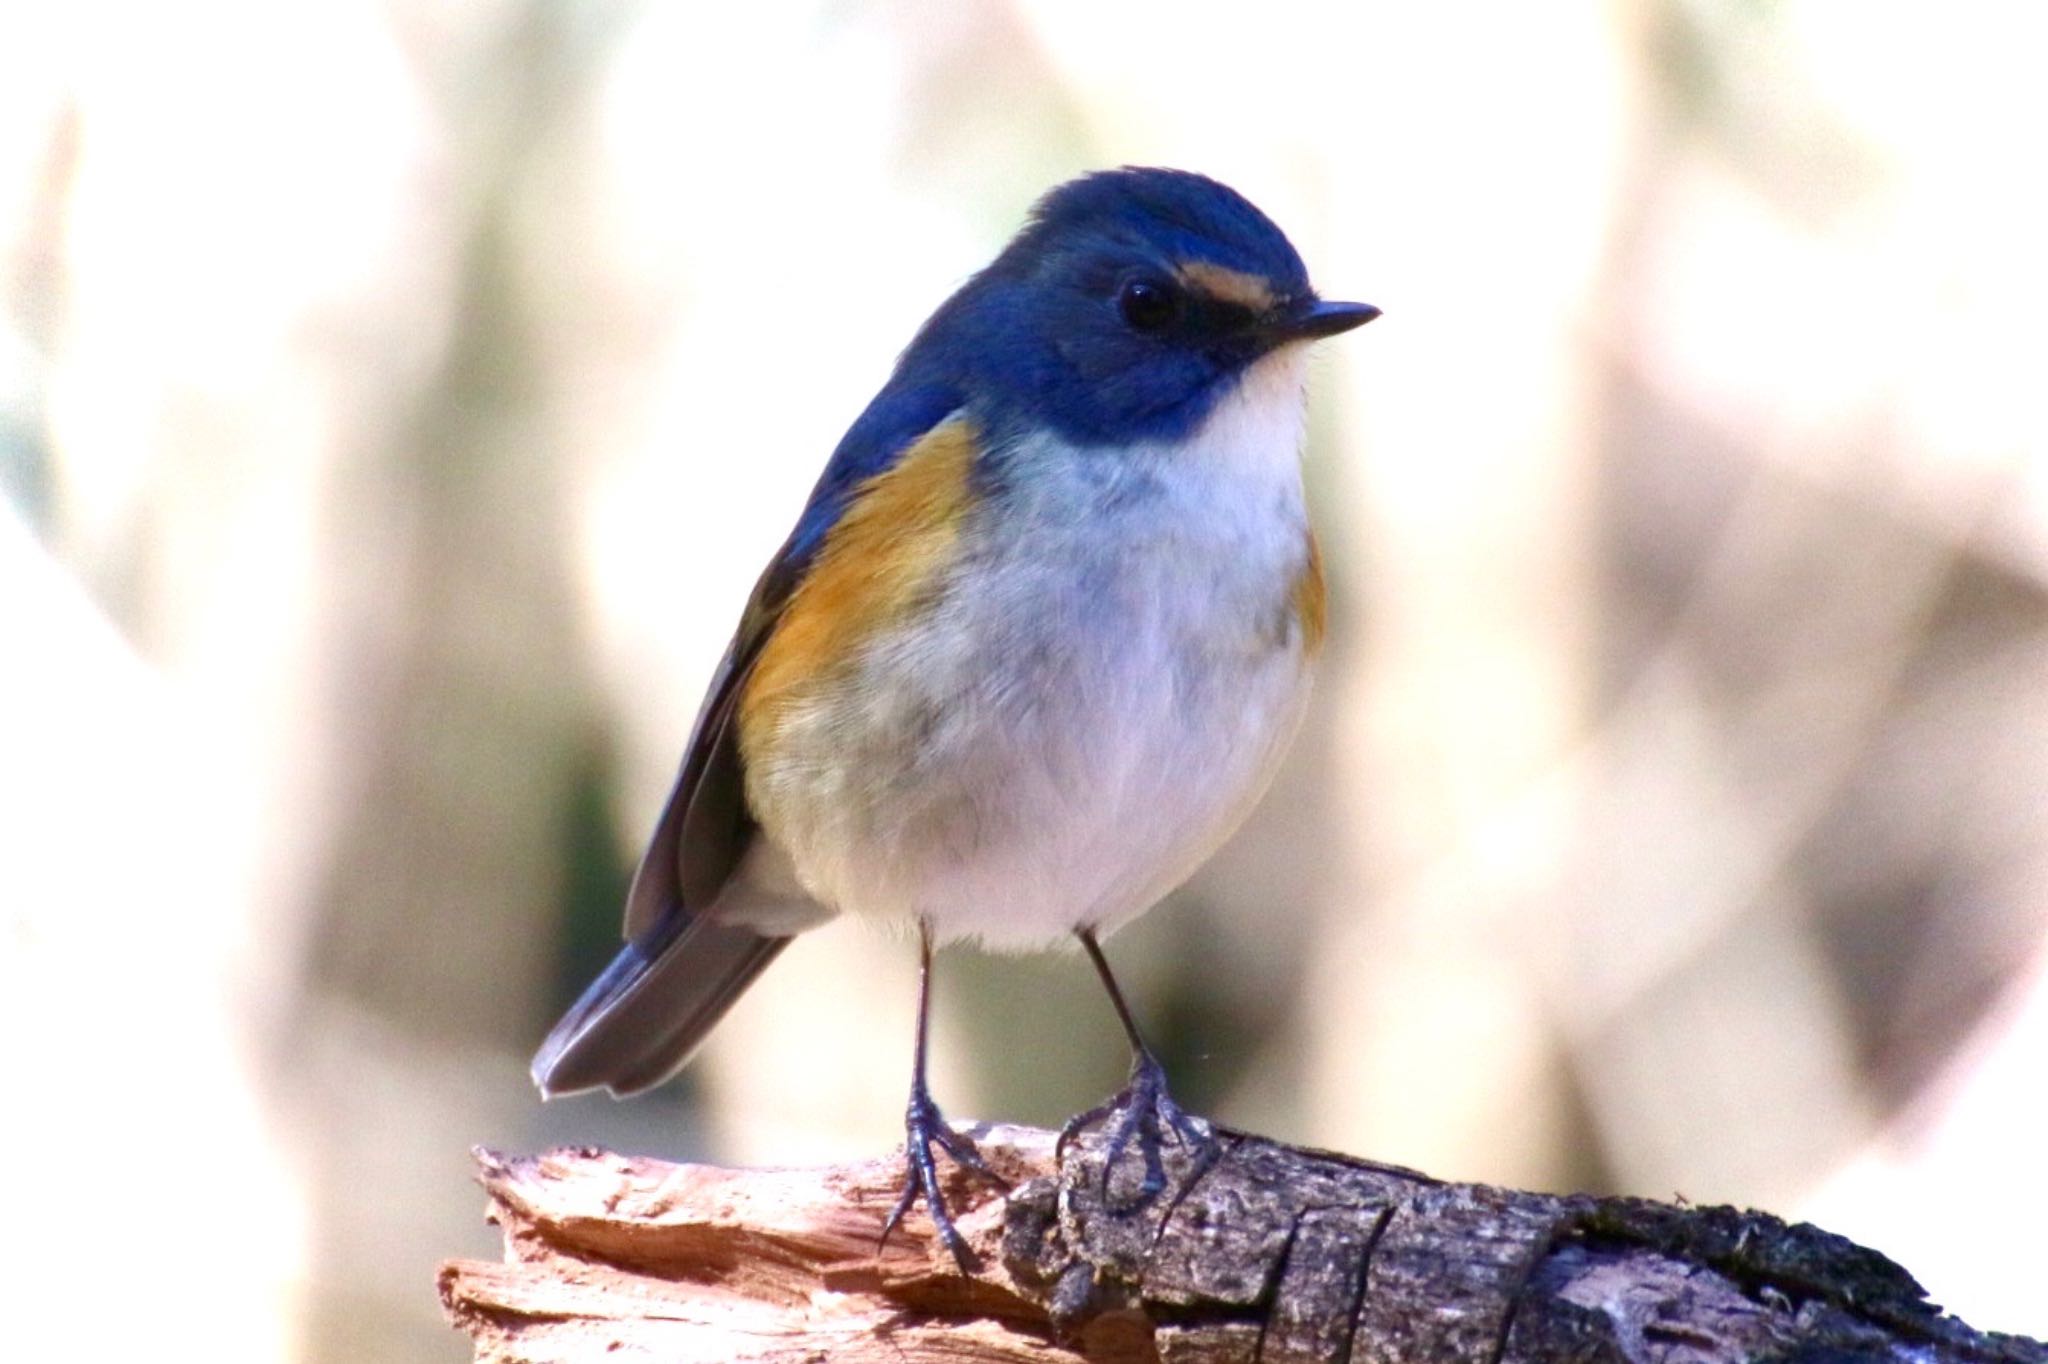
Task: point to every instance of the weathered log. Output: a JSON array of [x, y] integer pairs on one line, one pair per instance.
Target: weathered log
[[1256, 1251]]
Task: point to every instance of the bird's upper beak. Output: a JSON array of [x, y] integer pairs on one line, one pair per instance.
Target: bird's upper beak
[[1311, 319]]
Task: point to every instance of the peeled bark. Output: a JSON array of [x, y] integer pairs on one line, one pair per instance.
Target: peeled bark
[[1255, 1251]]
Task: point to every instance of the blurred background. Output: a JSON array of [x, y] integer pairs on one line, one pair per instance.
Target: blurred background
[[397, 401]]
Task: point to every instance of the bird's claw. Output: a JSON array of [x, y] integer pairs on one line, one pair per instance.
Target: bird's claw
[[925, 1127], [1143, 1111]]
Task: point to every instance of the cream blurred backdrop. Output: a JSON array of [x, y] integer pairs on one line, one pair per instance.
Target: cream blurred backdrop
[[397, 401]]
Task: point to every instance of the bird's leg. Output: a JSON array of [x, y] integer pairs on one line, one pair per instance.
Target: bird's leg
[[925, 1127], [1143, 1111]]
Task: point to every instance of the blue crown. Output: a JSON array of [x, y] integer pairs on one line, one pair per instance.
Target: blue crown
[[1175, 214], [1037, 340]]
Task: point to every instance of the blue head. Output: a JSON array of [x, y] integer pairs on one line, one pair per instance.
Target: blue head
[[1130, 302]]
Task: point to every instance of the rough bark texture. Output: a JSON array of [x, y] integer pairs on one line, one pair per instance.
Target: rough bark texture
[[1256, 1252]]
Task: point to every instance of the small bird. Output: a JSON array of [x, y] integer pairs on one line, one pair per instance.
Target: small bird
[[1034, 648]]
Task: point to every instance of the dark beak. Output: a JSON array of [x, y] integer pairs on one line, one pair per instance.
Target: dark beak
[[1311, 319]]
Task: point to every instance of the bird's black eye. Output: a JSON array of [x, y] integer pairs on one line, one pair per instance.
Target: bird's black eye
[[1148, 305]]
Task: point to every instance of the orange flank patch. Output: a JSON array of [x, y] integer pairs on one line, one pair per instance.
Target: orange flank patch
[[1227, 285], [877, 564], [1311, 598]]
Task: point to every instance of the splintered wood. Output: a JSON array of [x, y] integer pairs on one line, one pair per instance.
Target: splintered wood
[[1254, 1251]]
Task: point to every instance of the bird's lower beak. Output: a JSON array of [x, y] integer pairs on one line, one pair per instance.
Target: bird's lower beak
[[1311, 319]]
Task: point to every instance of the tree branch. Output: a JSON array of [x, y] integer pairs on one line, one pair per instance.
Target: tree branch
[[1260, 1252]]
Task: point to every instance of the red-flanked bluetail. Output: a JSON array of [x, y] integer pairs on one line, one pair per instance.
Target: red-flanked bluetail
[[1034, 648]]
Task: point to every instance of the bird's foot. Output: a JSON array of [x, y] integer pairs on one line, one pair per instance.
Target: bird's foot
[[1144, 1113], [924, 1127]]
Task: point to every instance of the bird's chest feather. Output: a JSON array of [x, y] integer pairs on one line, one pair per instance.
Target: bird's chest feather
[[1085, 701]]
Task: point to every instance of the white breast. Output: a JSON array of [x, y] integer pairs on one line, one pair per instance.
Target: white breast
[[1105, 689]]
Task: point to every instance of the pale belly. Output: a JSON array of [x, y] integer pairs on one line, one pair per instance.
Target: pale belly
[[1088, 712]]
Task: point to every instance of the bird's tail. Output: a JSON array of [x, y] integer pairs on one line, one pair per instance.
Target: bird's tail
[[641, 1020]]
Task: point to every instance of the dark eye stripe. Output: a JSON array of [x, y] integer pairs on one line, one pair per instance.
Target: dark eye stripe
[[1148, 305]]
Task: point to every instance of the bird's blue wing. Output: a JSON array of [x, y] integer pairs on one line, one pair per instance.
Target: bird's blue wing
[[705, 826], [679, 972]]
